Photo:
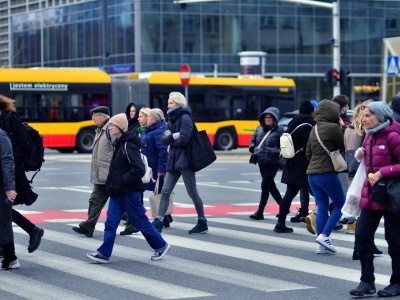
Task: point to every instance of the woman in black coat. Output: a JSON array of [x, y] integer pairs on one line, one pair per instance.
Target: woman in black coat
[[294, 171], [267, 157], [178, 135], [10, 123]]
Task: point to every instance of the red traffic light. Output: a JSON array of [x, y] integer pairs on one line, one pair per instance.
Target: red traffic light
[[335, 73]]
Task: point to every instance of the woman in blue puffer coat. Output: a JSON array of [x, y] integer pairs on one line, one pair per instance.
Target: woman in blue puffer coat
[[267, 157]]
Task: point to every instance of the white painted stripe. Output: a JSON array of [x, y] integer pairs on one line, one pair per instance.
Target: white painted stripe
[[338, 235], [229, 187], [139, 284], [271, 259], [37, 290], [64, 220], [76, 190], [185, 75], [185, 266]]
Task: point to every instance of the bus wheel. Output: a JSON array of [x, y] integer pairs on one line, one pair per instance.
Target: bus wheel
[[85, 141], [225, 139], [66, 150]]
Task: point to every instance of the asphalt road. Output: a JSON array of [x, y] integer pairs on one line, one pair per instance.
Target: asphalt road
[[238, 258]]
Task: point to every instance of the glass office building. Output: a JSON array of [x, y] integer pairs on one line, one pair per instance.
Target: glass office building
[[156, 35]]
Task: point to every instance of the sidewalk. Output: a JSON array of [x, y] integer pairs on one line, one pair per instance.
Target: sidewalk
[[235, 154]]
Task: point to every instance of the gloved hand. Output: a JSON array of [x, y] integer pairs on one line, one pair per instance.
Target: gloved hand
[[167, 132], [176, 135], [359, 154], [251, 149]]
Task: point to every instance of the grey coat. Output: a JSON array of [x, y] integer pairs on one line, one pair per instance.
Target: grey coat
[[7, 182]]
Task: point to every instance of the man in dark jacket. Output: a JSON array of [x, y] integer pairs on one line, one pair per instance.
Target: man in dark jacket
[[343, 102], [294, 172], [7, 196]]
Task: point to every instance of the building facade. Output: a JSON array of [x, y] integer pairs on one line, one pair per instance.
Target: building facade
[[156, 35]]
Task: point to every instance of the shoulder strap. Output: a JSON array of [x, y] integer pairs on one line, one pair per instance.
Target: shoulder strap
[[126, 152], [108, 135], [264, 138], [300, 126], [321, 143]]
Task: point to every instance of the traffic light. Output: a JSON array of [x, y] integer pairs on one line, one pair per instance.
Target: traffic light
[[344, 77], [332, 77]]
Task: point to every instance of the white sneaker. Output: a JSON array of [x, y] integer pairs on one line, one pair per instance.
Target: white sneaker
[[326, 242], [13, 265], [322, 250]]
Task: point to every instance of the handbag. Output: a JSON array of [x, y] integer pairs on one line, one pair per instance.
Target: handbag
[[339, 164], [351, 207], [379, 189], [156, 198], [200, 153], [253, 158]]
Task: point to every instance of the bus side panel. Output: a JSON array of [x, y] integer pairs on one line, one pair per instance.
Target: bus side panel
[[60, 135]]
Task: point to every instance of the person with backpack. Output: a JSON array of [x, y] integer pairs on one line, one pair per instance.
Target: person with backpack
[[294, 171], [101, 158], [7, 197], [11, 124], [125, 186]]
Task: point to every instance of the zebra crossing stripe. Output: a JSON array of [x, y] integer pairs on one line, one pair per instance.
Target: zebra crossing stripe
[[11, 283], [268, 258], [298, 230], [108, 276], [186, 266]]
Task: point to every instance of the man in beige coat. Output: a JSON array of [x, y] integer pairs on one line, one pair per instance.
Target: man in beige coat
[[101, 158]]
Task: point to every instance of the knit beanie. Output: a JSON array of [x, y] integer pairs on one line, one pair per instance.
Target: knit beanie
[[156, 114], [381, 110], [121, 121], [306, 107]]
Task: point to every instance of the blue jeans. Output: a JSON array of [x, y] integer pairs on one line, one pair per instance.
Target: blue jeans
[[325, 186], [131, 204]]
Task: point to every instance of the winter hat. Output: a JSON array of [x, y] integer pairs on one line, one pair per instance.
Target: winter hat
[[306, 107], [156, 114], [101, 109], [314, 103], [273, 111], [396, 103], [178, 98], [381, 110], [120, 121]]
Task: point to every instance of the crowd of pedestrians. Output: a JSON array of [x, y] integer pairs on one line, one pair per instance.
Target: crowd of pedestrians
[[117, 169]]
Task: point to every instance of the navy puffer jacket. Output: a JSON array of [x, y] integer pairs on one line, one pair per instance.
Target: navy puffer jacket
[[180, 120], [155, 151], [125, 178]]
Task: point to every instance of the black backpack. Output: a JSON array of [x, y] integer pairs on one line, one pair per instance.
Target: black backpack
[[33, 161]]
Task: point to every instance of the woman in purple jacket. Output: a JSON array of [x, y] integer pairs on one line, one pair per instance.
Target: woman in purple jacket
[[382, 147]]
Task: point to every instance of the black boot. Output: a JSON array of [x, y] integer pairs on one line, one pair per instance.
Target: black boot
[[281, 227], [259, 214], [166, 222]]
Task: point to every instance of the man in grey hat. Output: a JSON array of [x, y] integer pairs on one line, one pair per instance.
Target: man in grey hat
[[101, 158]]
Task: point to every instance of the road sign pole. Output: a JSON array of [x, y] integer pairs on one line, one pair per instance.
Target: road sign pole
[[187, 94]]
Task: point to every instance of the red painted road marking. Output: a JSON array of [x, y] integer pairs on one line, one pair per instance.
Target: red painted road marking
[[218, 210]]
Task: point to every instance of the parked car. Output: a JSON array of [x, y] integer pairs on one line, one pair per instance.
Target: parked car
[[287, 117]]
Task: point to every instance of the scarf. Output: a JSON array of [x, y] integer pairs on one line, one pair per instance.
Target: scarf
[[376, 129]]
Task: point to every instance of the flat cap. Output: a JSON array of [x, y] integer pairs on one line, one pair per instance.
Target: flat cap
[[101, 109]]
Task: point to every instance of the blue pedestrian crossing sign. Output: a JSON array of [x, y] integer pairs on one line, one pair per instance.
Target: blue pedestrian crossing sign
[[393, 66]]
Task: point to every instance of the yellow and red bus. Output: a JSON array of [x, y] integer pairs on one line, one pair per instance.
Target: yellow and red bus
[[226, 107], [57, 101]]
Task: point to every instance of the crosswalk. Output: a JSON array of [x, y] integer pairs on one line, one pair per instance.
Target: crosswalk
[[238, 259]]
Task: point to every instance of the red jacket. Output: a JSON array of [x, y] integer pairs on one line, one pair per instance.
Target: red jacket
[[385, 146]]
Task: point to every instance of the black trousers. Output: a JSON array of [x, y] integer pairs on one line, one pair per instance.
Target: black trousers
[[367, 224], [268, 186], [22, 222], [291, 192]]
